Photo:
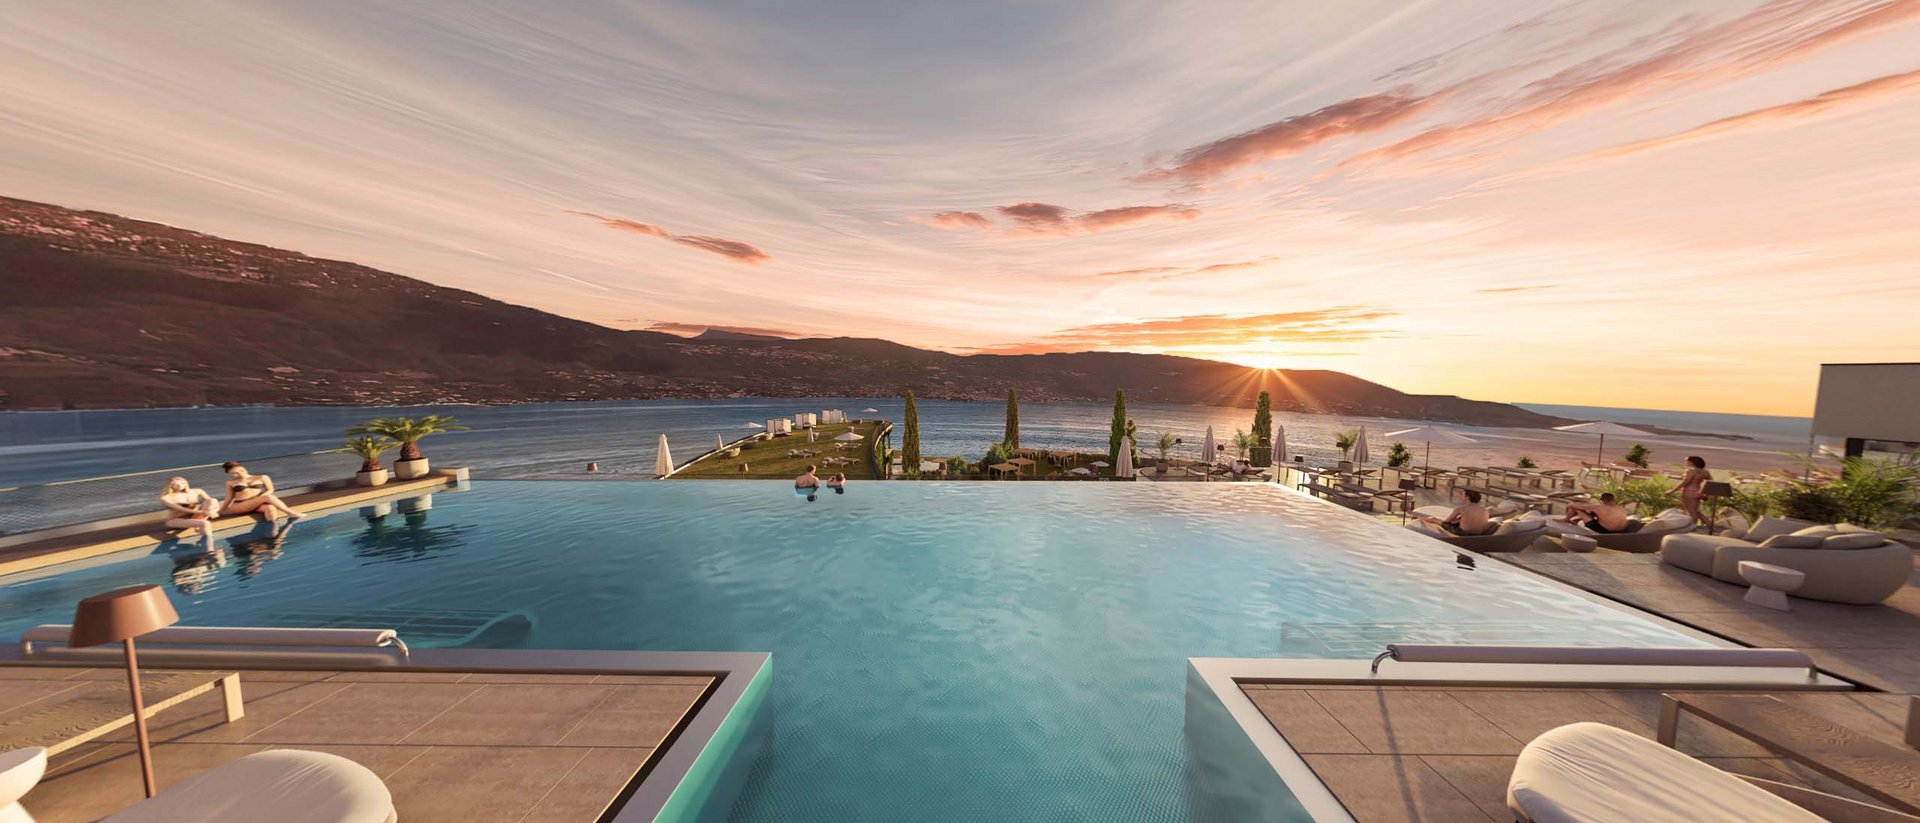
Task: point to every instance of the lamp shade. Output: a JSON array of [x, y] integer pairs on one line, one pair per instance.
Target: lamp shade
[[120, 614]]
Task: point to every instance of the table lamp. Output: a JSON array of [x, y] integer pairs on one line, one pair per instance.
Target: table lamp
[[124, 614], [1408, 486]]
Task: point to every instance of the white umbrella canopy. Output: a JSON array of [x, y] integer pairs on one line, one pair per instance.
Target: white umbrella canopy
[[809, 435], [868, 410], [849, 437], [719, 443], [1279, 447], [1602, 428], [1431, 435], [1206, 448], [1099, 464], [663, 459], [1360, 453], [1125, 469]]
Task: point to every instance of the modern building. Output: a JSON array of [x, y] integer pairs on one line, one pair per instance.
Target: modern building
[[1874, 407]]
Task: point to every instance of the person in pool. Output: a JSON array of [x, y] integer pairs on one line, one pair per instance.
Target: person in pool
[[189, 508], [249, 493], [807, 483], [838, 483]]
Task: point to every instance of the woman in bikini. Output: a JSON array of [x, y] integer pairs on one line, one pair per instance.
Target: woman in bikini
[[189, 508], [249, 493], [1691, 485]]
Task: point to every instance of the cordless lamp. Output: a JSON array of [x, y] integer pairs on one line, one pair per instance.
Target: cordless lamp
[[122, 615]]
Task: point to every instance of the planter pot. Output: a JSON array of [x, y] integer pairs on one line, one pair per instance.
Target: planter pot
[[1261, 456], [372, 478], [410, 469]]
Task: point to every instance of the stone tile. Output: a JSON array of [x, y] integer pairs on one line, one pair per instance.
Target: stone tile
[[399, 677], [589, 787], [1696, 737], [367, 713], [656, 679], [37, 673], [1386, 789], [1415, 722], [108, 779], [1479, 778], [203, 719], [634, 716], [513, 714], [1306, 726], [458, 784], [527, 677], [17, 694], [1527, 714]]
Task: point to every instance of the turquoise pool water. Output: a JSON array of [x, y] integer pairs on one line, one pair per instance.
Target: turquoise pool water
[[968, 651]]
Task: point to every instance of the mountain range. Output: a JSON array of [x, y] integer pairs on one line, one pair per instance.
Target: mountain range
[[104, 311]]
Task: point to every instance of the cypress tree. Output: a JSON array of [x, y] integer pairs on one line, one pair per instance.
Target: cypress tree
[[1119, 427], [1263, 432], [910, 440], [1012, 439]]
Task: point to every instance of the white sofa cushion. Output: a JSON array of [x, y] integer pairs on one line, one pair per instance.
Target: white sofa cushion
[[1767, 527], [1854, 540], [1791, 541], [1822, 532]]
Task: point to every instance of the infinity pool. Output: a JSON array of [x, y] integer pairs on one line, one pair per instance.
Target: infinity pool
[[977, 651]]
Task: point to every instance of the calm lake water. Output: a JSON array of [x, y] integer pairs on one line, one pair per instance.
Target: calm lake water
[[544, 440]]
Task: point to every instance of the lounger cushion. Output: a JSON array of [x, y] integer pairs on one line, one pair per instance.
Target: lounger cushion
[[1733, 524], [1822, 532], [1595, 773], [280, 786], [1855, 540], [1791, 541], [1767, 527]]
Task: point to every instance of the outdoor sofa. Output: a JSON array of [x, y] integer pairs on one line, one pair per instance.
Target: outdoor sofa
[[1843, 563], [1510, 535]]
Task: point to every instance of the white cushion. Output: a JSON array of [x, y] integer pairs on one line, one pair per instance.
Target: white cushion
[[1822, 532], [280, 785], [1733, 524], [1595, 773], [1667, 522], [1849, 528], [1791, 541], [1767, 527], [1518, 524], [1853, 540]]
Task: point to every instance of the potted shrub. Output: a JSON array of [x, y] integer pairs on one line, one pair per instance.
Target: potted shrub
[[369, 448], [407, 431], [1164, 445]]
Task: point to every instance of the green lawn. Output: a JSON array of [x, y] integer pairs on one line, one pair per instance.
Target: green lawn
[[767, 459]]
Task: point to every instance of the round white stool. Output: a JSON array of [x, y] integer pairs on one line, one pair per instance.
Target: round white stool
[[1770, 583], [1578, 543]]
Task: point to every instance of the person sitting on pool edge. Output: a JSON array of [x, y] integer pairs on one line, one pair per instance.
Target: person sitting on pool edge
[[1603, 517], [1469, 519], [249, 493], [838, 483], [189, 508], [808, 483]]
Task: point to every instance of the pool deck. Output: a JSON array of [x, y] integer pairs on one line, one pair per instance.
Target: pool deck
[[1400, 754], [450, 746], [1876, 646], [108, 537]]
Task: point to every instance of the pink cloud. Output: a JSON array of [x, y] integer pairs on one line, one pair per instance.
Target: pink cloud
[[1337, 324], [1033, 218], [1292, 136], [959, 220], [1039, 216], [731, 249]]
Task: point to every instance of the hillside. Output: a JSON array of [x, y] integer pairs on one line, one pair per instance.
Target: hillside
[[105, 311]]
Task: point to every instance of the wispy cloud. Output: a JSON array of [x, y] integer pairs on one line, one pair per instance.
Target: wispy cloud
[[691, 329], [1688, 53], [1338, 324], [1167, 272], [1511, 289], [1046, 219], [731, 249], [1293, 135]]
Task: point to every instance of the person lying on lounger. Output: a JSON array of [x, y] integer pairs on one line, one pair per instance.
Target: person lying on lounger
[[1602, 517], [1469, 519], [189, 508]]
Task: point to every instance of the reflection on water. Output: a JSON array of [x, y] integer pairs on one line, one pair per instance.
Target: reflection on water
[[195, 571], [406, 538]]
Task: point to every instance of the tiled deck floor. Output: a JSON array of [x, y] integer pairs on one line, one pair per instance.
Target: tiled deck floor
[[1878, 645], [451, 747], [1443, 755]]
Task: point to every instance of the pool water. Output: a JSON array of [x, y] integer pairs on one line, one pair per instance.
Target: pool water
[[976, 651]]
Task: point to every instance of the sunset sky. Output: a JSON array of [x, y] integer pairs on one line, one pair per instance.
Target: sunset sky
[[1617, 203]]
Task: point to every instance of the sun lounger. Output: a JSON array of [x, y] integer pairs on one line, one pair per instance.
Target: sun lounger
[[281, 785], [1592, 771], [1357, 502], [67, 720]]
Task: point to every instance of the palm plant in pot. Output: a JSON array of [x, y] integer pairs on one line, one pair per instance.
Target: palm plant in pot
[[368, 448], [408, 431]]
